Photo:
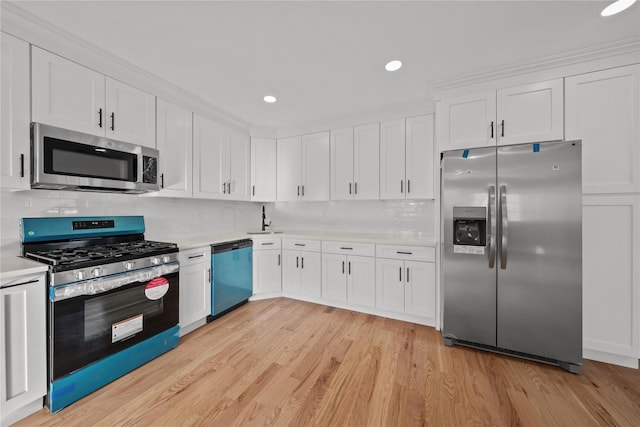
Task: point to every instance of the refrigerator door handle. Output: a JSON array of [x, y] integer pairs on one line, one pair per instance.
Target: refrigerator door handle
[[492, 226], [504, 227]]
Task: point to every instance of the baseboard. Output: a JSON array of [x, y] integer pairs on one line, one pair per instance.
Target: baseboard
[[614, 359]]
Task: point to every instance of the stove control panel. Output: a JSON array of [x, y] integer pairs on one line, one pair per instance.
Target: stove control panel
[[88, 225]]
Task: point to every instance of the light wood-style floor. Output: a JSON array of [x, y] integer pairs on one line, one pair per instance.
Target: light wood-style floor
[[285, 362]]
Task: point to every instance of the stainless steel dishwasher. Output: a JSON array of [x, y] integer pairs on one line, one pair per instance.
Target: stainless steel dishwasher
[[231, 276]]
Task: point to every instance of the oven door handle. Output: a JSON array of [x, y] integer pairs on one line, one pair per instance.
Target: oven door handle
[[104, 284]]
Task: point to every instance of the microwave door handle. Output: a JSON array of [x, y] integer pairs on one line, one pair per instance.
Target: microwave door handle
[[504, 228], [492, 226]]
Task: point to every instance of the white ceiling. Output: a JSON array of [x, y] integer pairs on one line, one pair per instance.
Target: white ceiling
[[325, 60]]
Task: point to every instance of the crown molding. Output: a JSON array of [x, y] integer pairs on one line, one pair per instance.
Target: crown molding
[[28, 27], [629, 46]]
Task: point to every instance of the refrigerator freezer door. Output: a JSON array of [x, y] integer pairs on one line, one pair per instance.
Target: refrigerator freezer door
[[539, 299], [469, 273]]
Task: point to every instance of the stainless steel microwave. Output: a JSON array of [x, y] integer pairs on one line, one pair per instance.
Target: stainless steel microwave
[[68, 160]]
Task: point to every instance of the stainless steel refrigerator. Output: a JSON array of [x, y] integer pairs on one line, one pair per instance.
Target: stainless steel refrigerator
[[511, 221]]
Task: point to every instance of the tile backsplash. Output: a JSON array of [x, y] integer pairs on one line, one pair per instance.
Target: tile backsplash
[[169, 218], [376, 216], [165, 218]]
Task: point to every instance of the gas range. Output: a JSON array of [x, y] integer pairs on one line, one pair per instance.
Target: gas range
[[88, 251]]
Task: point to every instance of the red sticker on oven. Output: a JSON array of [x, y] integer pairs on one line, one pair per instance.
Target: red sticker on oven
[[156, 288]]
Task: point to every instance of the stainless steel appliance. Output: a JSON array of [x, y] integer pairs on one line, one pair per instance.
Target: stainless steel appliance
[[113, 299], [68, 160], [511, 224], [231, 276]]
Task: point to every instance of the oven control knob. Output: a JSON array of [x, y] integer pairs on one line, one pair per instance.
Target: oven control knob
[[96, 272], [166, 259], [80, 275], [155, 261], [128, 265]]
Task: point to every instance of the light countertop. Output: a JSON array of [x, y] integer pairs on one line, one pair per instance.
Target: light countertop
[[193, 242], [11, 267]]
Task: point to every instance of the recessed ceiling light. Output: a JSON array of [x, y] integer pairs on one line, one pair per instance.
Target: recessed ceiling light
[[616, 6], [270, 99], [393, 65]]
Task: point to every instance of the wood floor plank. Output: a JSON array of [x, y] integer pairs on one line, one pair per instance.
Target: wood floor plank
[[282, 362]]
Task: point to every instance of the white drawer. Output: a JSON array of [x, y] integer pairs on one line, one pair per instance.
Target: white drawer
[[266, 243], [414, 253], [348, 248], [195, 256], [301, 244]]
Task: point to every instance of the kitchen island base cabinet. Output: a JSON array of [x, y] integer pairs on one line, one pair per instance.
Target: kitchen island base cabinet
[[23, 352], [195, 288]]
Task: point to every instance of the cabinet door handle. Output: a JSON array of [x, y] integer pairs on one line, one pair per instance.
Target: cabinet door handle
[[400, 270], [356, 187], [401, 186], [407, 274], [298, 191], [502, 131], [349, 267], [278, 260], [303, 191], [491, 129], [196, 256], [229, 187], [253, 190], [224, 188], [301, 262], [100, 117], [113, 121], [408, 186], [342, 267], [21, 165], [297, 263], [209, 276], [349, 188], [161, 180]]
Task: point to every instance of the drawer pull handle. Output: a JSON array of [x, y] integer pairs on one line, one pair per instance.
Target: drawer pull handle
[[404, 253], [345, 248], [266, 244], [196, 256], [299, 244]]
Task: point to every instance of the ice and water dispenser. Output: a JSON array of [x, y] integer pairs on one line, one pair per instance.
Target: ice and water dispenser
[[469, 230]]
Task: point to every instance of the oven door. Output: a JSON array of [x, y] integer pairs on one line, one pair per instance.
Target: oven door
[[87, 328]]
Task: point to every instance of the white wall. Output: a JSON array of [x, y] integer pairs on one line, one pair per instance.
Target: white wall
[[374, 216], [165, 218]]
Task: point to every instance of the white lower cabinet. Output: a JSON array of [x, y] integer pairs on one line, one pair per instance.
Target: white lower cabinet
[[301, 272], [23, 346], [348, 278], [267, 266], [405, 284], [195, 288]]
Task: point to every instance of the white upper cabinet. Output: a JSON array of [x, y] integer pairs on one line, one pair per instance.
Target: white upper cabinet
[[303, 167], [602, 110], [132, 114], [406, 158], [527, 113], [70, 96], [263, 170], [175, 143], [289, 169], [467, 121], [342, 164], [355, 163], [14, 128], [392, 158], [531, 113], [419, 157], [221, 161]]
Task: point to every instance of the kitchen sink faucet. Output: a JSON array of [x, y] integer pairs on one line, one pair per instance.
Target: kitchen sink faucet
[[264, 217]]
